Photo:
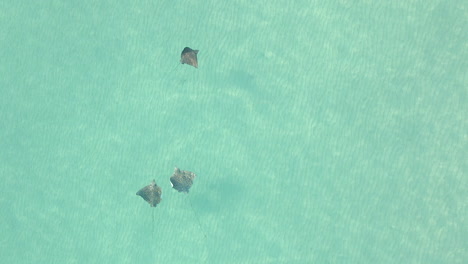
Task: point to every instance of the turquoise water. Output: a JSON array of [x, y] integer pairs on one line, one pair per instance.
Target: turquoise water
[[320, 131]]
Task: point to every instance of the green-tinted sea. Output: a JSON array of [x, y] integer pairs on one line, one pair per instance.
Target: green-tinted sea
[[319, 131]]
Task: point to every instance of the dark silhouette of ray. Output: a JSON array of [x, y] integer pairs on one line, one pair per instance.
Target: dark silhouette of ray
[[151, 194], [189, 56], [182, 180]]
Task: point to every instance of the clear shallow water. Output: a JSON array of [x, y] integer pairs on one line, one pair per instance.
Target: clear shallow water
[[320, 133]]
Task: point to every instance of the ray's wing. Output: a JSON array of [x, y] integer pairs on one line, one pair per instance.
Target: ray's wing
[[145, 193]]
